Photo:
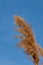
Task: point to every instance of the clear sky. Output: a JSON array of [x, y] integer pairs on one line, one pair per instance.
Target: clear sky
[[32, 12]]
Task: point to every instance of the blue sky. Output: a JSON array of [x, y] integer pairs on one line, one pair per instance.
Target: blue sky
[[32, 12]]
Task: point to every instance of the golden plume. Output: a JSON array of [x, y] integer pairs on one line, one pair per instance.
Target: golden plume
[[28, 42]]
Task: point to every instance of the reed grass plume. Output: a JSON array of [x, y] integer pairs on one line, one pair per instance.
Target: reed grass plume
[[28, 42]]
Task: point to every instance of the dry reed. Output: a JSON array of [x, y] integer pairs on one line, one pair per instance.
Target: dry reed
[[28, 41]]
